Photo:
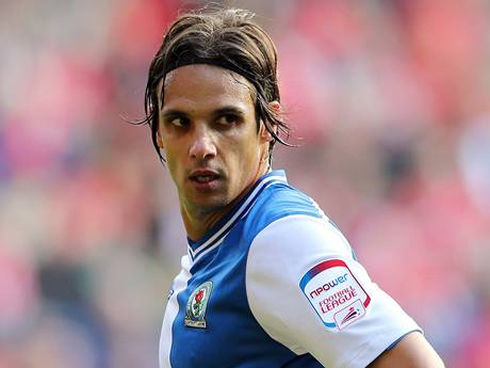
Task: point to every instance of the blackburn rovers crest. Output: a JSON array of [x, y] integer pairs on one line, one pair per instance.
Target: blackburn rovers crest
[[195, 311]]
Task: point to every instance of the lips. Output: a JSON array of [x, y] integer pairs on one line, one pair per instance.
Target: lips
[[204, 178]]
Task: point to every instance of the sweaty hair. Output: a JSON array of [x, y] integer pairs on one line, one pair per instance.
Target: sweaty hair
[[227, 38]]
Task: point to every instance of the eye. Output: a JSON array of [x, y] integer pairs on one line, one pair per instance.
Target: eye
[[179, 122], [228, 119]]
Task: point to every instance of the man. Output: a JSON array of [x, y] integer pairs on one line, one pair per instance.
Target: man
[[268, 280]]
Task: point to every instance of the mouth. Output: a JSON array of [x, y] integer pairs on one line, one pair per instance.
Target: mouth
[[205, 178]]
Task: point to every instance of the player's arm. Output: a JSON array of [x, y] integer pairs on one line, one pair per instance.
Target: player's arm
[[413, 351], [334, 311]]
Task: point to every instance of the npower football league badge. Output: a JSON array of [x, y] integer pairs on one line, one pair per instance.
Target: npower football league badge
[[195, 311], [335, 294]]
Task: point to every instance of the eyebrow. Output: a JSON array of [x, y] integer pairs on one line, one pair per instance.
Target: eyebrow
[[228, 110], [173, 113], [218, 112]]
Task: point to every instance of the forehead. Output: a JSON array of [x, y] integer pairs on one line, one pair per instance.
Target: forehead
[[201, 84]]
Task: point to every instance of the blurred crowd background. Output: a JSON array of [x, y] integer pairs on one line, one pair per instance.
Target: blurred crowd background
[[390, 105]]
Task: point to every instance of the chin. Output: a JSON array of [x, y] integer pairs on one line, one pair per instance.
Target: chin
[[210, 203]]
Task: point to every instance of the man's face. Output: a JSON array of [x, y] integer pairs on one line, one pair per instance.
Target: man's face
[[209, 134]]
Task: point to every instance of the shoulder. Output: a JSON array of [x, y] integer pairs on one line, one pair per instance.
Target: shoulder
[[301, 234], [277, 202], [283, 199], [289, 251]]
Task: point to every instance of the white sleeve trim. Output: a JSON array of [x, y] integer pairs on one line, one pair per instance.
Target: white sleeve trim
[[279, 257]]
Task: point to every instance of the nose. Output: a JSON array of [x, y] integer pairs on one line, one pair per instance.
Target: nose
[[203, 146]]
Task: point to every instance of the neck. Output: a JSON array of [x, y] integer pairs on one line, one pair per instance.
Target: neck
[[197, 222]]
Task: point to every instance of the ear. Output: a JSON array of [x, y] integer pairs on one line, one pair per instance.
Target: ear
[[265, 134], [276, 106]]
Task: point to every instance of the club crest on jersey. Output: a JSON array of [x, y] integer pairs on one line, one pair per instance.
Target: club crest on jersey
[[195, 311], [335, 294]]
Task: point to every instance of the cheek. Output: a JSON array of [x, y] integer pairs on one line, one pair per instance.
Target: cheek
[[172, 161], [171, 168], [248, 155]]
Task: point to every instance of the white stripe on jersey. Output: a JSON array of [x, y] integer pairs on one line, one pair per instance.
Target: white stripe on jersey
[[171, 311]]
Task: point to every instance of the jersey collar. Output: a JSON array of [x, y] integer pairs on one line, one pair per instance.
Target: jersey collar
[[218, 232]]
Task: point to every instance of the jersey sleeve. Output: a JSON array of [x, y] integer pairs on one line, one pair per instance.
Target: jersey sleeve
[[307, 291]]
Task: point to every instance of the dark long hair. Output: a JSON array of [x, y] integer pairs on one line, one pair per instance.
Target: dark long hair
[[227, 38]]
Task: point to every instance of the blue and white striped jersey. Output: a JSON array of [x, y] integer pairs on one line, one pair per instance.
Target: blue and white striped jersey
[[275, 284]]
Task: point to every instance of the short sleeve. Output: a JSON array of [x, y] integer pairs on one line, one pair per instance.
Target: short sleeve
[[308, 292]]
